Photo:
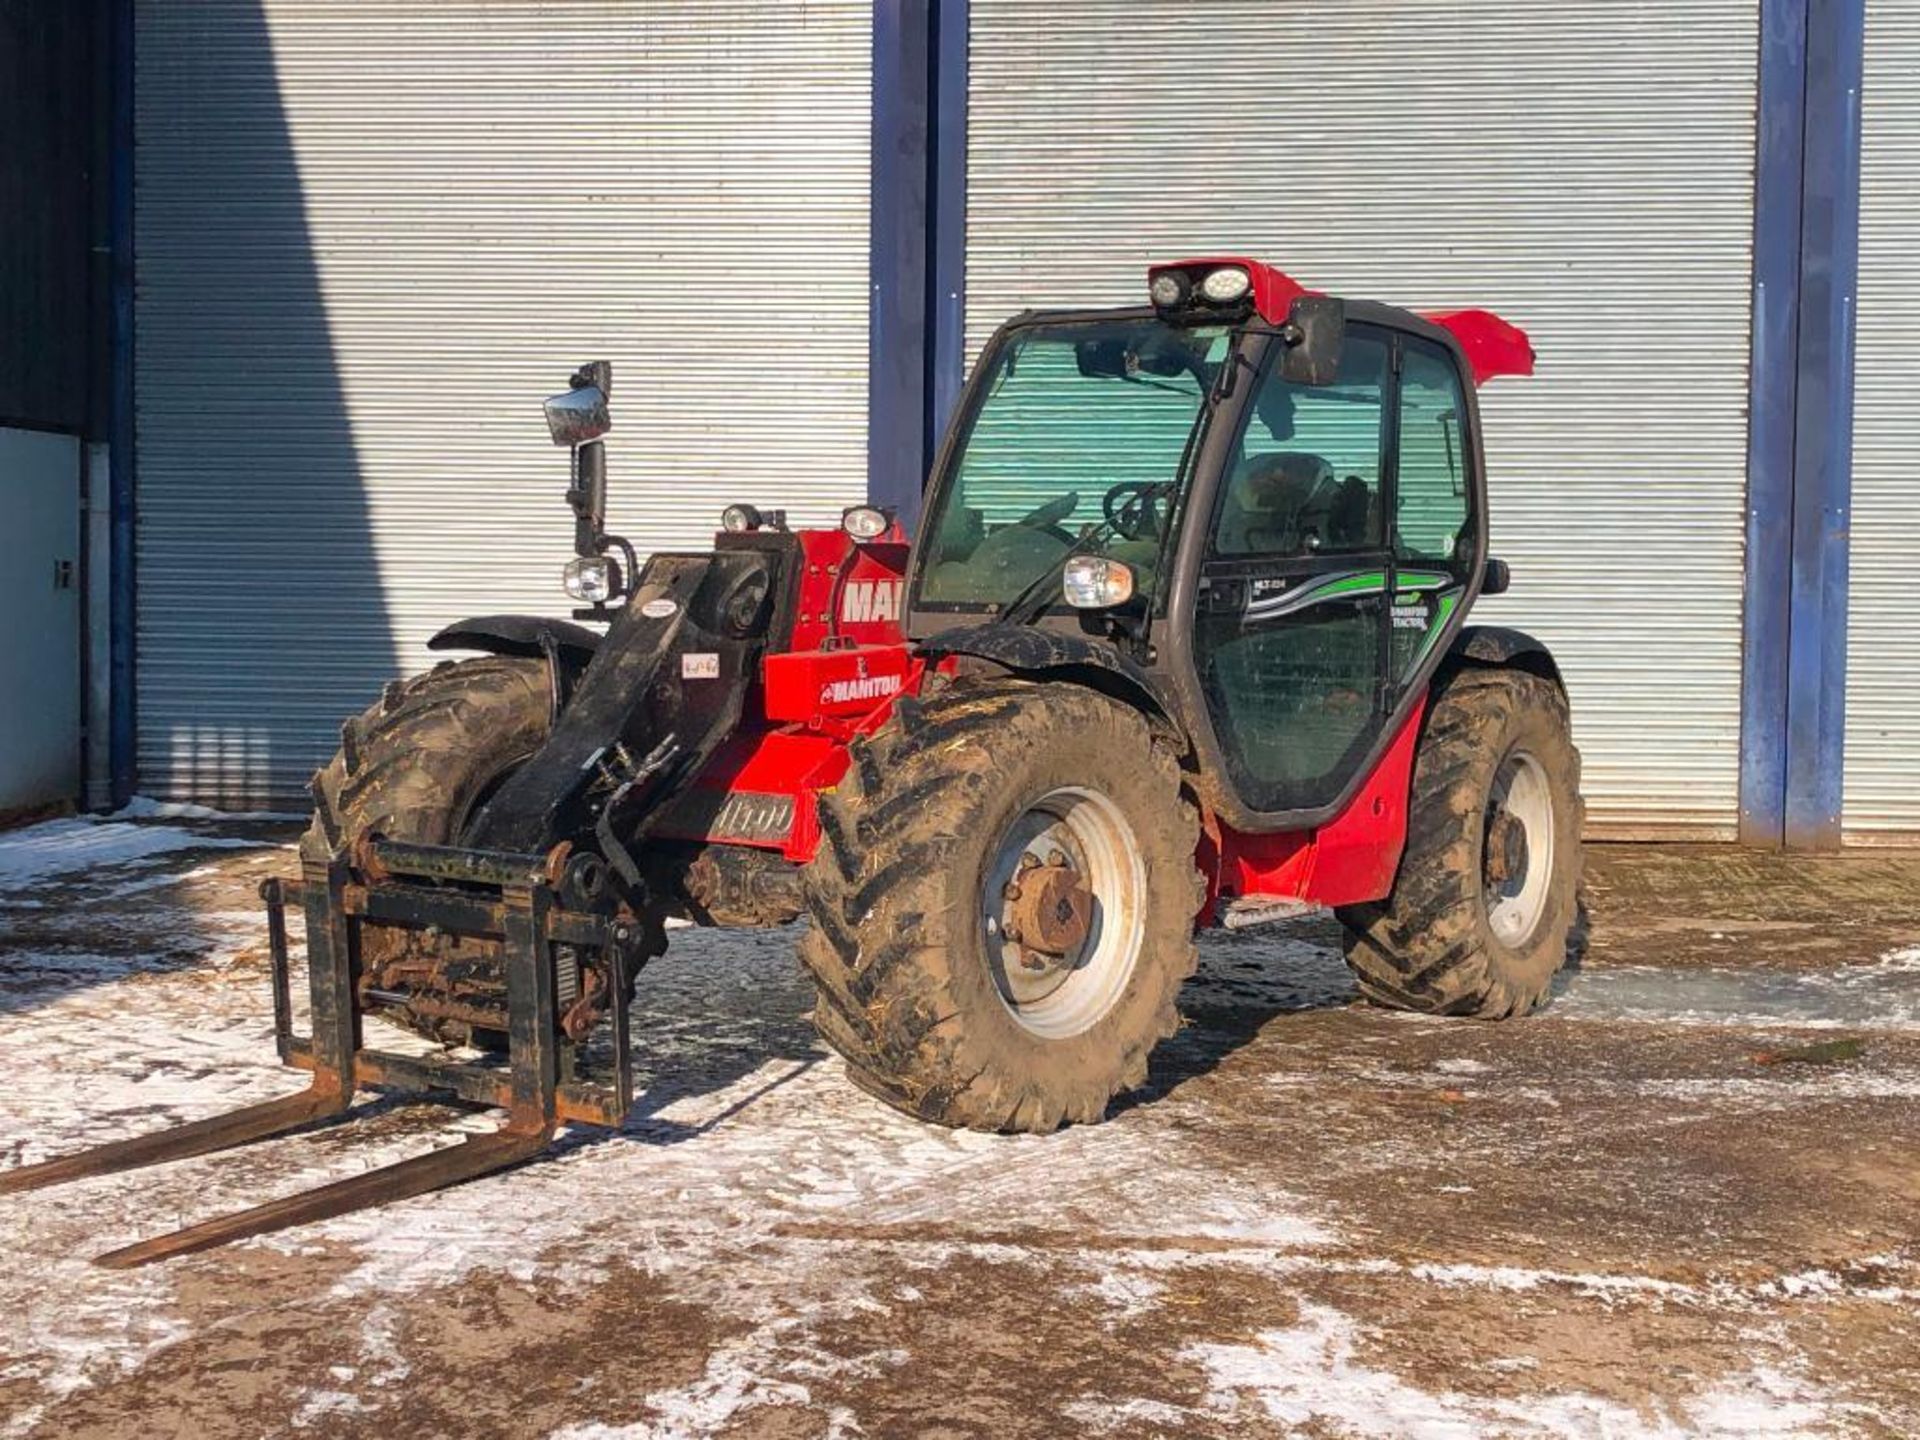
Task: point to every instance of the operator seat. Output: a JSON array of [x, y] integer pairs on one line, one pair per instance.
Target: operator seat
[[1267, 499]]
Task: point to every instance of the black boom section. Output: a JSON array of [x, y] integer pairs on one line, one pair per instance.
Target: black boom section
[[665, 688]]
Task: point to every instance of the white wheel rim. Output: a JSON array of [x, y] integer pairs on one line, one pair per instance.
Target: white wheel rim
[[1517, 884], [1071, 993]]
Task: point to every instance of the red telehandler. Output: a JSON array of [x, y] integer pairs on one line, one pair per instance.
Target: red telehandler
[[1182, 639]]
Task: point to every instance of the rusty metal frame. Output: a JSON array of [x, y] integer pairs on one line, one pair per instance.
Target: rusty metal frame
[[539, 1086]]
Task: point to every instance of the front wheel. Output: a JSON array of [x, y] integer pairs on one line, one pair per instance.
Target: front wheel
[[1003, 906], [1488, 887]]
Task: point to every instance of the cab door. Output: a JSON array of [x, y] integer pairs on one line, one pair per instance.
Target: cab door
[[1294, 615]]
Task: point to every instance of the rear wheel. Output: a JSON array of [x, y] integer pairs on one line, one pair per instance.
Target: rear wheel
[[1487, 891], [1003, 906], [417, 766]]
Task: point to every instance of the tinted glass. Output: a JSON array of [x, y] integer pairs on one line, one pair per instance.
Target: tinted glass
[[1433, 496], [1307, 478], [1076, 426]]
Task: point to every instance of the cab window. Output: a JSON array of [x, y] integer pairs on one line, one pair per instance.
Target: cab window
[[1432, 504], [1306, 480]]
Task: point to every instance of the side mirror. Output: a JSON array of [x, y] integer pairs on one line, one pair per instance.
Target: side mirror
[[578, 416], [1315, 333]]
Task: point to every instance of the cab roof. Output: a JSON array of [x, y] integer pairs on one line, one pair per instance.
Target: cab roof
[[1493, 346]]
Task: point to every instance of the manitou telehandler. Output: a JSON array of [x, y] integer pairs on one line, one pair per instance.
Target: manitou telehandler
[[1181, 639]]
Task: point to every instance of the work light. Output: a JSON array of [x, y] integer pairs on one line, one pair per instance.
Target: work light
[[864, 522], [1225, 285], [1093, 582], [589, 578], [1169, 289], [738, 518]]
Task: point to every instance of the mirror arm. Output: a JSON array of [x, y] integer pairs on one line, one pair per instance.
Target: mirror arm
[[588, 497]]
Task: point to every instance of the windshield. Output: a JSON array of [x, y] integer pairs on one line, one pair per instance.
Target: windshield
[[1078, 436]]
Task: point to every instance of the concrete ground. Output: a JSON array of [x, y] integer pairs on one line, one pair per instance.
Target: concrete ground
[[1682, 1201]]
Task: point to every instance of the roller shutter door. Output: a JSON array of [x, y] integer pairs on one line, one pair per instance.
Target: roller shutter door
[[1585, 169], [372, 234], [1882, 783]]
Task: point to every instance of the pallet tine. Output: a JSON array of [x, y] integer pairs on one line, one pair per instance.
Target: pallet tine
[[178, 1142], [335, 1036], [475, 1156]]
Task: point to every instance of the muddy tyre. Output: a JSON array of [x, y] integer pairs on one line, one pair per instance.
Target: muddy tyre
[[1487, 891], [1003, 906], [418, 764]]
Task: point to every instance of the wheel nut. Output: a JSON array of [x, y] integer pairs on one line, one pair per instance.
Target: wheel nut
[[1010, 891]]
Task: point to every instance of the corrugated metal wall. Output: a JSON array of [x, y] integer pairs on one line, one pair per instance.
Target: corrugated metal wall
[[1882, 783], [1586, 169], [374, 233]]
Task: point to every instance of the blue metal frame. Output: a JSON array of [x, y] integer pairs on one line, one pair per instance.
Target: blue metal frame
[[947, 220], [1774, 377], [1799, 461], [122, 621], [1823, 429], [898, 255], [917, 249]]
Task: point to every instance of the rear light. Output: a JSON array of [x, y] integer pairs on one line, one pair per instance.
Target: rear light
[[1093, 582]]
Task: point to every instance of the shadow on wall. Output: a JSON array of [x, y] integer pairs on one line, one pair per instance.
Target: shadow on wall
[[254, 529]]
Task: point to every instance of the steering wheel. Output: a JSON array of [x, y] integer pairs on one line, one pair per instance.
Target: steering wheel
[[1132, 508], [1049, 515]]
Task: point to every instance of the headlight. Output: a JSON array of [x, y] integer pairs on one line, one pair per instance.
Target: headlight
[[589, 578], [1093, 582], [741, 517], [864, 522], [1169, 288], [1225, 285]]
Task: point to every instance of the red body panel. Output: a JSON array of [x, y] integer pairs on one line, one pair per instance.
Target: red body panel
[[1493, 346], [1349, 859]]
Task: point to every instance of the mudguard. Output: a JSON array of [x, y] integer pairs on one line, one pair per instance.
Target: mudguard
[[527, 635], [1499, 645], [1028, 650]]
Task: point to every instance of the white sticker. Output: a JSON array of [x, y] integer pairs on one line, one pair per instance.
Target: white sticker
[[704, 666], [658, 609]]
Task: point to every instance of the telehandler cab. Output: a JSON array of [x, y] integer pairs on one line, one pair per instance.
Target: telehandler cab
[[1182, 638]]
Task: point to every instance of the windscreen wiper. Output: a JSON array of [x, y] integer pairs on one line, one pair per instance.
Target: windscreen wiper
[[1030, 603]]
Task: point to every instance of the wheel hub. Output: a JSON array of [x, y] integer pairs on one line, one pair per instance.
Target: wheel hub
[[1062, 911], [1049, 911], [1506, 848]]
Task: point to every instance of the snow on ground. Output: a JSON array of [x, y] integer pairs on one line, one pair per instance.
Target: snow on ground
[[748, 1151], [56, 847]]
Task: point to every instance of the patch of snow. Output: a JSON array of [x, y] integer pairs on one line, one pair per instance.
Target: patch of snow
[[1311, 1374], [55, 847], [1883, 994], [1103, 1417], [324, 1405], [1462, 1066], [145, 807]]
